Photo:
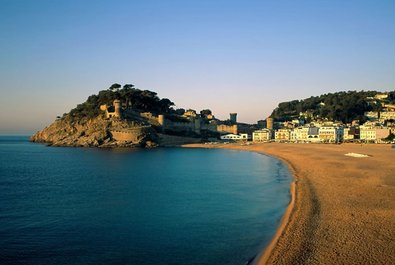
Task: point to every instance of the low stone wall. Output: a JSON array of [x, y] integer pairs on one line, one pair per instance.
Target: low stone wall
[[134, 135], [172, 140], [227, 128]]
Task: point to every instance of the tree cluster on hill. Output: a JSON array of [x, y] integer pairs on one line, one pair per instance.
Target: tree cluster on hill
[[141, 100], [340, 106]]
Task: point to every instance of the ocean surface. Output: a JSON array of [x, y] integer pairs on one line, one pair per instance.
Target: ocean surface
[[120, 206]]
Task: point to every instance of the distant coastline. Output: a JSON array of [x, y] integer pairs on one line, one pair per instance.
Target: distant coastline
[[337, 209], [130, 117]]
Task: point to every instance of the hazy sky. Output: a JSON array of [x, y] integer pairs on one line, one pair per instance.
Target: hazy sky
[[229, 56]]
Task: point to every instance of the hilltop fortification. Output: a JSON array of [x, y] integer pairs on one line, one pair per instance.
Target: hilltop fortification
[[130, 117]]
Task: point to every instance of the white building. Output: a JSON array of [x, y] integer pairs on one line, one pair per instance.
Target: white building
[[299, 134], [190, 113], [235, 137], [372, 115], [387, 115], [373, 134], [381, 96], [330, 134], [282, 135], [263, 135], [313, 135], [367, 134]]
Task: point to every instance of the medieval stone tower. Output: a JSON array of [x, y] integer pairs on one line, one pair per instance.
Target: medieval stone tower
[[233, 118], [161, 120], [269, 123], [117, 108]]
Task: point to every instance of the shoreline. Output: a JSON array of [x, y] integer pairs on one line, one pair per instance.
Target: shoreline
[[342, 209], [264, 255]]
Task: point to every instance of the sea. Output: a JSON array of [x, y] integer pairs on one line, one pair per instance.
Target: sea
[[65, 205]]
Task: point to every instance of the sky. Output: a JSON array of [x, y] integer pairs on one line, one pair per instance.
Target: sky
[[225, 55]]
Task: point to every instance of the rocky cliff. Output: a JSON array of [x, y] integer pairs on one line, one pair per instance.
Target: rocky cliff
[[127, 117], [96, 132]]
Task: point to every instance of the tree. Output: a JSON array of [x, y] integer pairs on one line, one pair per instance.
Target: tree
[[128, 86], [390, 137], [165, 104], [115, 86], [141, 100], [391, 96], [180, 111], [377, 106], [342, 106], [205, 112]]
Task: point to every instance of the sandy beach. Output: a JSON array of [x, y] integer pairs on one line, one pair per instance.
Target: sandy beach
[[343, 206]]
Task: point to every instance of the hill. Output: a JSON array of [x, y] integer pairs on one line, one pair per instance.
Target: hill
[[89, 123], [142, 100], [340, 106]]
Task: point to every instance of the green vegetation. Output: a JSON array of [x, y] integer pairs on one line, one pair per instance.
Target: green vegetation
[[205, 112], [141, 100], [340, 106], [390, 138]]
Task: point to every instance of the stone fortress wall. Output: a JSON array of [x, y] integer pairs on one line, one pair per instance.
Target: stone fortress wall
[[192, 124], [134, 134], [227, 128], [114, 111]]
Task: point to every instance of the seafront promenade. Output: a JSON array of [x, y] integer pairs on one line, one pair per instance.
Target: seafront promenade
[[344, 206]]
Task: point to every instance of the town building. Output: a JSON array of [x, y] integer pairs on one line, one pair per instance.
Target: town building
[[381, 96], [261, 124], [372, 115], [367, 134], [386, 116], [282, 135], [210, 117], [330, 134], [381, 116], [263, 135], [224, 128], [372, 134], [269, 123], [313, 135], [190, 113], [299, 134], [235, 137], [350, 134]]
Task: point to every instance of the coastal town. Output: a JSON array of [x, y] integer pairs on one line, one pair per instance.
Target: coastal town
[[339, 203], [130, 117], [197, 132], [379, 126]]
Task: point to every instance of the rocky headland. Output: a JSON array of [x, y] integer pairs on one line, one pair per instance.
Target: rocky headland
[[126, 117], [97, 132]]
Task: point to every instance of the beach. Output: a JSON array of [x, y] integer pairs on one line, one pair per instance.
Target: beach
[[343, 204]]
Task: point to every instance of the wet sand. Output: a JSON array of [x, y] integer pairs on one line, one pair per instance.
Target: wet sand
[[343, 208]]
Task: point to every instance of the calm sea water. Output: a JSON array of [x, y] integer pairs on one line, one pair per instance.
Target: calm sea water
[[162, 206]]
